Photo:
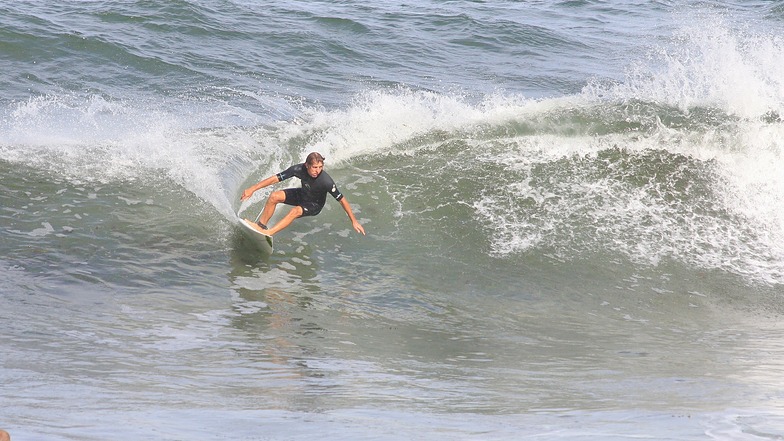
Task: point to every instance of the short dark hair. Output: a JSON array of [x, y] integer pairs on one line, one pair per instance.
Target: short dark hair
[[314, 157]]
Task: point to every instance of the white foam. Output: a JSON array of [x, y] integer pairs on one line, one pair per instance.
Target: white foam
[[729, 89], [92, 138], [709, 62]]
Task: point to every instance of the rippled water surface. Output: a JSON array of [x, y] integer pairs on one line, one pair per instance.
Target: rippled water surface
[[574, 217]]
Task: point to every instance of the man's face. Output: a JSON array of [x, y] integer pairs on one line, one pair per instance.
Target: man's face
[[314, 169]]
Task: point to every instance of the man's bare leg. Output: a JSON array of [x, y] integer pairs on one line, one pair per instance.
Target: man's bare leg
[[275, 198], [285, 222]]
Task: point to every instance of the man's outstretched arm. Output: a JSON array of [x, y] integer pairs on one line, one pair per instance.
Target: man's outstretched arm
[[346, 206], [253, 188]]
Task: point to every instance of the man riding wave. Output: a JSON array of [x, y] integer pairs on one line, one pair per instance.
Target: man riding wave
[[308, 200]]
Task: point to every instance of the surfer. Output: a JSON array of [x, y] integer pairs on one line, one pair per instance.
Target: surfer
[[308, 200]]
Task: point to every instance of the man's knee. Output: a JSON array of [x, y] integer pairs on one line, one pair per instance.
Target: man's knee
[[278, 197], [297, 211]]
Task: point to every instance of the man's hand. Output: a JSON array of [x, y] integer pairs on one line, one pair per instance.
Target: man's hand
[[358, 228], [247, 193]]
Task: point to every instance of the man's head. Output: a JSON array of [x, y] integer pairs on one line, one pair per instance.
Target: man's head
[[315, 164]]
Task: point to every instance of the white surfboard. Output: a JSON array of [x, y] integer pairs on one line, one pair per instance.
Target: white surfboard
[[259, 240]]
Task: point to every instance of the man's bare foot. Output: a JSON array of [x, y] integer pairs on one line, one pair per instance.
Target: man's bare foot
[[258, 226]]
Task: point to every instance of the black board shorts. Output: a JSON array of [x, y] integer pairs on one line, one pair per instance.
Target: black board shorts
[[294, 197]]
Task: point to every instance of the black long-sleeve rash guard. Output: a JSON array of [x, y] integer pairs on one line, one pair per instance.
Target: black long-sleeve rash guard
[[313, 189]]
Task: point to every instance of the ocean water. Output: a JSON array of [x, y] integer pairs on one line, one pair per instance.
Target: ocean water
[[575, 218]]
